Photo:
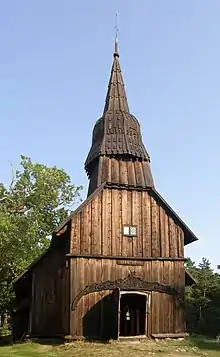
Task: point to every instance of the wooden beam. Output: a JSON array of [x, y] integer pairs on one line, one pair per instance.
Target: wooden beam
[[95, 256]]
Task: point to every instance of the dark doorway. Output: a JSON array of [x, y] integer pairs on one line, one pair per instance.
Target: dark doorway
[[132, 314]]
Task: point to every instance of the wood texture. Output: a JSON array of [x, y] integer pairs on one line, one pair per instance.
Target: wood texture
[[162, 317], [97, 228], [50, 304], [120, 172]]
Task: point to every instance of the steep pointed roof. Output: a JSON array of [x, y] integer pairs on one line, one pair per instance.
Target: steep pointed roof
[[117, 133], [116, 98]]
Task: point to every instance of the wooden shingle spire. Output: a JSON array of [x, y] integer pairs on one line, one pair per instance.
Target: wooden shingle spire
[[117, 136], [116, 98]]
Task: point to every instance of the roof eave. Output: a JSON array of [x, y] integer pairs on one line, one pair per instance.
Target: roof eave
[[190, 237], [27, 271], [61, 226], [189, 278], [56, 232]]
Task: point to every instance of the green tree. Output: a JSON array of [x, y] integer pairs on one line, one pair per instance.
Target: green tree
[[36, 201], [203, 299], [190, 265]]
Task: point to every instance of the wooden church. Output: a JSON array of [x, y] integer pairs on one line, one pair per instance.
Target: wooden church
[[115, 267]]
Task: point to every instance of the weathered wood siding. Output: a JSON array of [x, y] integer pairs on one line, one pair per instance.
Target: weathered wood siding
[[166, 313], [97, 228], [50, 301]]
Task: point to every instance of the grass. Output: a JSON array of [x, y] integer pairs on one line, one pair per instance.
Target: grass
[[188, 348]]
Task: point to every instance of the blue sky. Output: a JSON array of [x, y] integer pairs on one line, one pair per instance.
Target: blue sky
[[54, 68]]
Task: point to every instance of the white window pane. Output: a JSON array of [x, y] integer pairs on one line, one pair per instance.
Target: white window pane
[[126, 230]]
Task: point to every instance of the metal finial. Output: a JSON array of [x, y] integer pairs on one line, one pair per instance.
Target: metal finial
[[116, 35]]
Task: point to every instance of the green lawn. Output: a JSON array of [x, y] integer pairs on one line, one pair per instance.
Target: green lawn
[[195, 347]]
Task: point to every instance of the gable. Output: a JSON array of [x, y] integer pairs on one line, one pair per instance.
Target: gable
[[97, 228], [189, 236]]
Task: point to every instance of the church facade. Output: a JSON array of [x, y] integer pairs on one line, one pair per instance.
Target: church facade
[[115, 267]]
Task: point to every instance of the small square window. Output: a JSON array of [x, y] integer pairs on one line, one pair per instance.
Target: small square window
[[130, 231]]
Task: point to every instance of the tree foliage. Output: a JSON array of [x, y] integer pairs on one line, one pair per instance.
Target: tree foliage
[[31, 206], [203, 299]]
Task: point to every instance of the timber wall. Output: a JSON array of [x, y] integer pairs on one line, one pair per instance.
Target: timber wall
[[165, 315], [50, 300], [97, 228]]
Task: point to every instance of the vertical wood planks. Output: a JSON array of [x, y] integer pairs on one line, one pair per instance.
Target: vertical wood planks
[[140, 226], [104, 233], [83, 230], [114, 222], [123, 172], [109, 221], [86, 230], [73, 293], [146, 224], [118, 223], [170, 298], [139, 174], [129, 222], [75, 234], [172, 239], [162, 232], [95, 226], [109, 173], [166, 236], [115, 171], [124, 221], [81, 285], [134, 221], [180, 242], [155, 229], [131, 173], [166, 305], [100, 223]]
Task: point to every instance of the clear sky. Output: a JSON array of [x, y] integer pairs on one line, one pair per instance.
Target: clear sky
[[55, 60]]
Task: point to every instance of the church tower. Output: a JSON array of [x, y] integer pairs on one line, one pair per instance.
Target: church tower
[[117, 155]]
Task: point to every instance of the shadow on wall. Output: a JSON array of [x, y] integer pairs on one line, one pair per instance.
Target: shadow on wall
[[100, 322]]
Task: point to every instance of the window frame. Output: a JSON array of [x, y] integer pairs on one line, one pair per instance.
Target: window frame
[[130, 226]]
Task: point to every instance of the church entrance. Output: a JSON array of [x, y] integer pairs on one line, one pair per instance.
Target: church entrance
[[132, 315], [118, 315]]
